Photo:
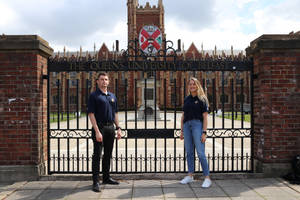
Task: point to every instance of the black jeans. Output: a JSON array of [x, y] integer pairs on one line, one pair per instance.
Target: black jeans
[[108, 135]]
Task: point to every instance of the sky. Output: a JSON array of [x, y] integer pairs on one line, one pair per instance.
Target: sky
[[83, 23]]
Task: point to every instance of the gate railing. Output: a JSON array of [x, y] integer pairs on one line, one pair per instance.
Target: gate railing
[[150, 141]]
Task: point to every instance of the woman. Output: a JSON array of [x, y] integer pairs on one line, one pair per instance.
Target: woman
[[193, 130]]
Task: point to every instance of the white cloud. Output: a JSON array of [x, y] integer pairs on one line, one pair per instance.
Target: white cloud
[[238, 22], [98, 38], [242, 3], [7, 15], [222, 38], [280, 18], [226, 31], [216, 22]]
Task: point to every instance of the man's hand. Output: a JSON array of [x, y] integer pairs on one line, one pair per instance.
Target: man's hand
[[118, 133], [99, 137], [181, 134]]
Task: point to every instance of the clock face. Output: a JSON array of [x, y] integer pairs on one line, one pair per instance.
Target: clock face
[[150, 39]]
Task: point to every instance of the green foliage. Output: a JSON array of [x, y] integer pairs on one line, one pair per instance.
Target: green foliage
[[237, 116], [64, 116]]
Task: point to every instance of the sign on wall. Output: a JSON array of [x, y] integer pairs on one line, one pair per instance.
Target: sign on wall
[[150, 39]]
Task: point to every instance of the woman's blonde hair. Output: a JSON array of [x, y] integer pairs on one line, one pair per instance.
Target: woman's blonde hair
[[200, 92]]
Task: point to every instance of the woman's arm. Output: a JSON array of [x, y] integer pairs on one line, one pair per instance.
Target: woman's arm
[[203, 138], [204, 121], [181, 132]]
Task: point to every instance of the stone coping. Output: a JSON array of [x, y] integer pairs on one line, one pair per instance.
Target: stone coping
[[275, 42], [25, 43]]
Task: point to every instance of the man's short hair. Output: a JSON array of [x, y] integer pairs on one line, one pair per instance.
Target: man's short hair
[[102, 74]]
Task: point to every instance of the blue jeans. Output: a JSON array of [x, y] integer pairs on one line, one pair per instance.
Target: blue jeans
[[192, 131]]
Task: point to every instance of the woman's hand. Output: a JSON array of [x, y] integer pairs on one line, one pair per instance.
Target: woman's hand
[[203, 138]]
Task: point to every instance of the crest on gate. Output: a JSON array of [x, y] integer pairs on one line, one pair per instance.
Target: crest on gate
[[150, 39]]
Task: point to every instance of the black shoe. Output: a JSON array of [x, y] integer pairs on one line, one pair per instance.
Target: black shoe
[[96, 187], [110, 181]]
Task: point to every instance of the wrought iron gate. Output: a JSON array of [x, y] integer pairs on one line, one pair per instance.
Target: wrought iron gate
[[150, 91]]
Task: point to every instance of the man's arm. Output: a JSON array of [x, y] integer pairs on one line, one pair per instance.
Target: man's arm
[[117, 125], [95, 126]]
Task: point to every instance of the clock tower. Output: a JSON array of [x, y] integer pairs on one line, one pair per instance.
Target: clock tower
[[140, 16]]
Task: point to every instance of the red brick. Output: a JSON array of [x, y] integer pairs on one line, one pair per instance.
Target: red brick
[[17, 70], [277, 68]]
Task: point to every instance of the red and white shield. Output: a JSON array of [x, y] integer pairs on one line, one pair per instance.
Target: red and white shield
[[150, 39]]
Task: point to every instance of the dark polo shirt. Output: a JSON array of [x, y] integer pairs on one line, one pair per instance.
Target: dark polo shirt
[[103, 106], [194, 108]]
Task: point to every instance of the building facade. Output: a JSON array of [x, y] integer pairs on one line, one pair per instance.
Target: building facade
[[73, 88]]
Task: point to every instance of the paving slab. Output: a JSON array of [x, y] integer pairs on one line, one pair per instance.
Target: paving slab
[[291, 191], [198, 184], [294, 187], [116, 193], [249, 193], [224, 183], [209, 192], [148, 198], [64, 185], [213, 198], [87, 185], [123, 185], [147, 183], [150, 193], [54, 194], [11, 186], [172, 198], [235, 189], [183, 192], [274, 193], [283, 197], [173, 184], [83, 194], [266, 191], [4, 185], [247, 198], [7, 189], [24, 195], [37, 185], [259, 182]]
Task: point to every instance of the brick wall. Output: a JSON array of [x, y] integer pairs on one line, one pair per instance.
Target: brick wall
[[23, 102], [276, 101]]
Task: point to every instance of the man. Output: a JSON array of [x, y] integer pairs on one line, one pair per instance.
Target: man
[[103, 114]]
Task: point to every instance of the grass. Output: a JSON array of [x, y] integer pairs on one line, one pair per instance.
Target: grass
[[227, 115], [64, 116]]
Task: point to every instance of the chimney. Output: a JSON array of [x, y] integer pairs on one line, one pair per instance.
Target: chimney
[[179, 45], [117, 45]]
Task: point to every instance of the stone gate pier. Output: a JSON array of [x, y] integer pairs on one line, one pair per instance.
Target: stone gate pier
[[23, 106], [276, 106]]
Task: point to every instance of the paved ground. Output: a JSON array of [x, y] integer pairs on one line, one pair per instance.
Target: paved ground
[[236, 189]]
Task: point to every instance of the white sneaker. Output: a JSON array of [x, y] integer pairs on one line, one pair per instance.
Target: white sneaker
[[206, 183], [187, 180]]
